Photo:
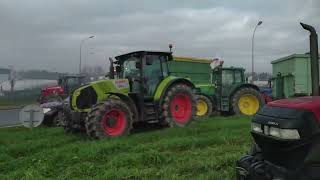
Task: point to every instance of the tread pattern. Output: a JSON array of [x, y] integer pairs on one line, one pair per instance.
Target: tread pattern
[[175, 89], [93, 120]]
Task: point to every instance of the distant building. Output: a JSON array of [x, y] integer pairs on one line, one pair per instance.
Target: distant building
[[291, 75]]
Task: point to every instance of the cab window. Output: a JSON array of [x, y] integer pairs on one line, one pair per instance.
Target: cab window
[[238, 76], [227, 77]]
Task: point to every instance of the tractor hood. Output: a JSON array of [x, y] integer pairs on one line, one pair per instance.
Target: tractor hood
[[55, 87], [311, 103]]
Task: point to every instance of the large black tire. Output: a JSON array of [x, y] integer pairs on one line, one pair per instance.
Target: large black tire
[[57, 119], [204, 107], [71, 121], [249, 107], [179, 106], [112, 118]]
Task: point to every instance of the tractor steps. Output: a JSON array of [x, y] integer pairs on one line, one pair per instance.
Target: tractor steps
[[150, 112]]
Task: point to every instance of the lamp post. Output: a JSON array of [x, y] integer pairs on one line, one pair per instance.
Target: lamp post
[[82, 41], [252, 53]]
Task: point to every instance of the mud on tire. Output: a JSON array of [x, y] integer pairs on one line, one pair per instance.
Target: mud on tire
[[71, 121], [111, 118], [179, 106]]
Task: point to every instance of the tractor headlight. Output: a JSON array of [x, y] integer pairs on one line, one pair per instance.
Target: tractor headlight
[[256, 127], [274, 132], [289, 134], [45, 110]]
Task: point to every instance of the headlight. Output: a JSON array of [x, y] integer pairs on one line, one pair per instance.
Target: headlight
[[289, 134], [274, 132], [256, 127], [45, 110], [282, 133]]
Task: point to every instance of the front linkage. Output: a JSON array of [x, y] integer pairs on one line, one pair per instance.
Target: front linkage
[[254, 167]]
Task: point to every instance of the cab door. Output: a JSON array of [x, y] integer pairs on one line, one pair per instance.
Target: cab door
[[154, 71]]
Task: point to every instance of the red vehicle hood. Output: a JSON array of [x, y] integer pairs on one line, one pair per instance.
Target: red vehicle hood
[[55, 87], [311, 103]]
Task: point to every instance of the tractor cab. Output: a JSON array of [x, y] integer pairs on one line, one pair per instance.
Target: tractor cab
[[143, 69], [70, 82]]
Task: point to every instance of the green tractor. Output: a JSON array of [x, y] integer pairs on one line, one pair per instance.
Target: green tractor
[[233, 94], [221, 89], [141, 88]]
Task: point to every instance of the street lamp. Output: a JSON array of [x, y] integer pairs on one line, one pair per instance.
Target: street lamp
[[252, 53], [82, 41]]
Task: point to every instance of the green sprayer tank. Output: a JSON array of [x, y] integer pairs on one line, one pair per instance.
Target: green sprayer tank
[[198, 70]]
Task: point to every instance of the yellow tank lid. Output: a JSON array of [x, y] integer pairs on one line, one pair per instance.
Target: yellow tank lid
[[191, 59]]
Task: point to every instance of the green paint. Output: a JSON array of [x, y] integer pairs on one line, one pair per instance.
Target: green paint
[[102, 87], [162, 87], [295, 76]]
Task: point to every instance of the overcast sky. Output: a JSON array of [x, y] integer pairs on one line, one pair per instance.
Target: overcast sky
[[46, 34]]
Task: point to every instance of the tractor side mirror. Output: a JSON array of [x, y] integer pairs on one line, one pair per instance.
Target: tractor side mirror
[[118, 69], [111, 69], [138, 65]]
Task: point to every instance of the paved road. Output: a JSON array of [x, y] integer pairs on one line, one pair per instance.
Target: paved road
[[9, 117]]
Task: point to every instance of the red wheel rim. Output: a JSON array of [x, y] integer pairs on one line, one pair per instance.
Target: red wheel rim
[[114, 122], [181, 108]]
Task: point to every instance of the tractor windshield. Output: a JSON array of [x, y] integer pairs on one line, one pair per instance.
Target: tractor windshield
[[129, 67]]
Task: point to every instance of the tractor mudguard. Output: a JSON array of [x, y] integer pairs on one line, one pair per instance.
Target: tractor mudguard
[[126, 99], [247, 85], [166, 83]]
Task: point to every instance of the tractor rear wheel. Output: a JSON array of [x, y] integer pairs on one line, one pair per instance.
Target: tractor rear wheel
[[204, 107], [111, 118], [179, 106], [247, 101]]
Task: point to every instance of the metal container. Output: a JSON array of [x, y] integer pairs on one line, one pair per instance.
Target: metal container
[[291, 76]]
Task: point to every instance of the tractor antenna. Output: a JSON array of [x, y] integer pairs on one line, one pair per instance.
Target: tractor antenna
[[170, 47]]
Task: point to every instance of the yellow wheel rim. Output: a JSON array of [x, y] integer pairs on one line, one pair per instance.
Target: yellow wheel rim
[[248, 104], [202, 108]]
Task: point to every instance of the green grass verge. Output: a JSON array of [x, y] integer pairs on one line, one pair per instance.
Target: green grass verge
[[205, 150]]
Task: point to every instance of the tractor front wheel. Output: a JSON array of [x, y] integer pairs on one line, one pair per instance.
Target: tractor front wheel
[[247, 101], [204, 107], [179, 106], [112, 118]]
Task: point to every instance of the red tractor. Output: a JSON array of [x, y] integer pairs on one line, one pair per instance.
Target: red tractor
[[286, 134], [65, 85], [52, 98]]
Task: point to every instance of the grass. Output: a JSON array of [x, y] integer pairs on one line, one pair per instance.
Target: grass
[[205, 150]]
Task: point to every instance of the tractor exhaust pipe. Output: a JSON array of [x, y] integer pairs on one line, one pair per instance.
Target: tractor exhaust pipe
[[314, 56], [111, 69]]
